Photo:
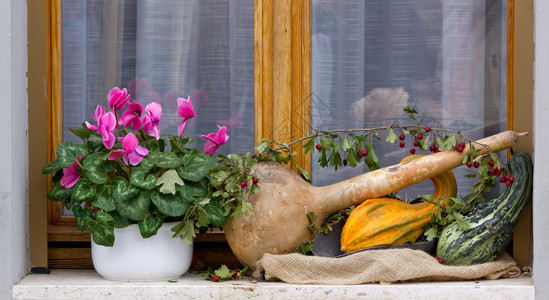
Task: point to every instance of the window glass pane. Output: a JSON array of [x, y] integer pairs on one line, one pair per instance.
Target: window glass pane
[[372, 58], [160, 50]]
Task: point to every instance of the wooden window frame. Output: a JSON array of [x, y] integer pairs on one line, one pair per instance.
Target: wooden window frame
[[282, 85]]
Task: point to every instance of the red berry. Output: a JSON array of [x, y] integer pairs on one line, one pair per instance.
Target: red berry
[[402, 144], [235, 275], [469, 164], [436, 257], [511, 179], [344, 162], [343, 213], [432, 148], [243, 184], [493, 171], [216, 278], [359, 154], [462, 145], [364, 152], [508, 183], [437, 150], [506, 177], [491, 163], [427, 129], [459, 148], [419, 136], [413, 151], [318, 147], [401, 137], [416, 144], [255, 180], [502, 179], [476, 164], [223, 186], [498, 172], [441, 260]]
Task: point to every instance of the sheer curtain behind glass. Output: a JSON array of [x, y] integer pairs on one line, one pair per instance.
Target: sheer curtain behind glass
[[371, 58], [160, 50]]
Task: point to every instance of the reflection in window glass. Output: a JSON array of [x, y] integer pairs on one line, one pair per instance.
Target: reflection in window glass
[[161, 50], [372, 58]]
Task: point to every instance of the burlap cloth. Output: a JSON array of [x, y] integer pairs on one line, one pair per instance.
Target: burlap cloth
[[374, 266]]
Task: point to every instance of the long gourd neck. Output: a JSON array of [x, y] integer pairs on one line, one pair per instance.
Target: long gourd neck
[[384, 181]]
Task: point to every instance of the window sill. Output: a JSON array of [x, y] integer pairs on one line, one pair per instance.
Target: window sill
[[87, 284]]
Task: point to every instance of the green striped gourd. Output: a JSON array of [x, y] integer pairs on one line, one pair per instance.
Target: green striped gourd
[[490, 223]]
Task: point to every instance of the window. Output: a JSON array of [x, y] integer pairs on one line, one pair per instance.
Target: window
[[312, 61]]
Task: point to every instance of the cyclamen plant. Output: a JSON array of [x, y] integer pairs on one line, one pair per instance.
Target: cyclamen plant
[[126, 172]]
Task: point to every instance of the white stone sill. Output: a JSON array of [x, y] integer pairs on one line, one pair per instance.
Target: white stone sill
[[87, 284]]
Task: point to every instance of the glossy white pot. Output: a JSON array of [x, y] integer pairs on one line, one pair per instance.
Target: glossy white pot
[[133, 258]]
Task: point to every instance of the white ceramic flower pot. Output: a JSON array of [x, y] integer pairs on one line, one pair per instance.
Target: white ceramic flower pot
[[133, 258]]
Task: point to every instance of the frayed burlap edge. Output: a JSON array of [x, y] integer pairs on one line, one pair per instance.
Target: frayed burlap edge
[[376, 266]]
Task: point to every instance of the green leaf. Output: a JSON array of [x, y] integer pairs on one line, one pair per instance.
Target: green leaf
[[119, 221], [167, 181], [391, 136], [424, 143], [94, 141], [326, 144], [196, 165], [135, 208], [103, 229], [170, 205], [68, 153], [82, 133], [123, 190], [371, 160], [430, 234], [165, 160], [52, 167], [149, 226], [203, 219], [83, 191], [59, 192], [452, 141], [464, 226], [138, 179], [104, 198], [83, 216], [96, 167], [346, 144], [262, 147], [215, 214], [223, 272], [184, 231], [309, 146], [302, 171]]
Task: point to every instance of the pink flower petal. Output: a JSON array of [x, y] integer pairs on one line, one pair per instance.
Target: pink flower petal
[[116, 154], [185, 108], [134, 158], [181, 127], [210, 147], [141, 150], [129, 143]]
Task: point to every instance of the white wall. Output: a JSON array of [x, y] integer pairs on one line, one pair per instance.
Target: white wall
[[541, 149], [14, 260]]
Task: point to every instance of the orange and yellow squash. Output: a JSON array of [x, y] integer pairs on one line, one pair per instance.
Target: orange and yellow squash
[[387, 221]]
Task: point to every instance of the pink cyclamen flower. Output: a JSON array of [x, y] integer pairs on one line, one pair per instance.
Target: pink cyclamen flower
[[106, 123], [132, 116], [215, 139], [117, 98], [131, 152], [70, 175], [186, 111], [153, 113]]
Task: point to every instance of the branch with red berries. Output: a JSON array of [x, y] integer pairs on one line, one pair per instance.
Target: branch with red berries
[[223, 273]]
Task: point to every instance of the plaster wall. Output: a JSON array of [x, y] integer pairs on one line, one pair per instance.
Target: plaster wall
[[13, 145], [541, 149]]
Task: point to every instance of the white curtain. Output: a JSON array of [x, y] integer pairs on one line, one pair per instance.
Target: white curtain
[[160, 50], [371, 58]]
